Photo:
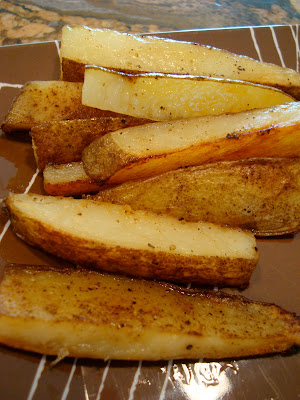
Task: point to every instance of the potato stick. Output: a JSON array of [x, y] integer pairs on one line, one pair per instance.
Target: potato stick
[[103, 47], [115, 238], [68, 180], [239, 193], [151, 149], [41, 101], [57, 310], [168, 96], [61, 142]]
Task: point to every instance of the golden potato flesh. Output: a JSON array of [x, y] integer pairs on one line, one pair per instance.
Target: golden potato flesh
[[82, 46], [115, 238], [81, 313], [169, 96], [151, 149], [258, 194]]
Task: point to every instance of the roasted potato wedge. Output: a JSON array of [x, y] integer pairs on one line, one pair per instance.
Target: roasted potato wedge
[[60, 142], [258, 194], [115, 238], [81, 313], [41, 101], [168, 96], [68, 180], [151, 149], [102, 47]]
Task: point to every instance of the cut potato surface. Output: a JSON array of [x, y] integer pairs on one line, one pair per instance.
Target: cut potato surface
[[139, 243], [102, 47], [238, 193], [165, 96], [81, 313], [68, 180], [151, 149]]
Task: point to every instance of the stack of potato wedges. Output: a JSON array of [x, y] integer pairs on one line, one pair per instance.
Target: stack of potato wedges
[[161, 160]]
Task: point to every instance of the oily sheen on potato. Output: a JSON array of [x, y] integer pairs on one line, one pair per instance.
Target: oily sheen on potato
[[170, 96], [151, 149], [258, 194], [82, 46], [117, 239], [82, 313]]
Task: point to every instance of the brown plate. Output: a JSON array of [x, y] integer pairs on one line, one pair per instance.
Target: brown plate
[[25, 375]]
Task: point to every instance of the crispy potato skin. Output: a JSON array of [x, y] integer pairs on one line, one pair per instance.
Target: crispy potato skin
[[72, 71], [41, 101], [258, 194], [57, 310], [61, 142], [200, 269], [105, 162]]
